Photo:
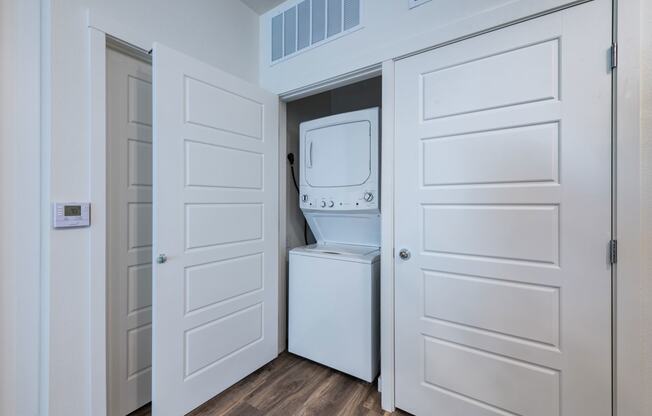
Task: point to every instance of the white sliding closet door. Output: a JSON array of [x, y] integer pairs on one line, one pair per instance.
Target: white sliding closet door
[[503, 197], [129, 283], [216, 221]]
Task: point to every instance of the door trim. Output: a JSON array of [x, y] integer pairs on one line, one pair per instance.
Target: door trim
[[628, 320], [98, 235], [387, 381]]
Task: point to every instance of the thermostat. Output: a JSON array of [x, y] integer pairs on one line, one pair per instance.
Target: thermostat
[[72, 214]]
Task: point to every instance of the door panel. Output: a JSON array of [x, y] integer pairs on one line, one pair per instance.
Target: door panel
[[129, 164], [503, 158], [216, 220]]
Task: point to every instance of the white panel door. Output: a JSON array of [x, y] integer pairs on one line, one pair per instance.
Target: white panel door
[[216, 219], [503, 199], [129, 283]]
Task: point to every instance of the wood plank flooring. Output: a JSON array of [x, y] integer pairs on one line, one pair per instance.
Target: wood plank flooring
[[290, 386]]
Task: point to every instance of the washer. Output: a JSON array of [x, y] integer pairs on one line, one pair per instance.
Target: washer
[[334, 307]]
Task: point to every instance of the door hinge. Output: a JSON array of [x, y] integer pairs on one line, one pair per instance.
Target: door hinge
[[614, 55], [613, 251]]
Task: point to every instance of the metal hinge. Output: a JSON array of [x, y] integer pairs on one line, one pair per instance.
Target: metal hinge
[[614, 55], [613, 251]]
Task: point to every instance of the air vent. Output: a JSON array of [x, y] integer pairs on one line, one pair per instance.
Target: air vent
[[308, 23]]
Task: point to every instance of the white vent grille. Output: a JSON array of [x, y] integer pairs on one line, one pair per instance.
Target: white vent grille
[[308, 23]]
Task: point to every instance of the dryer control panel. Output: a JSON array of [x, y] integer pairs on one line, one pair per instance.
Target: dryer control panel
[[354, 200]]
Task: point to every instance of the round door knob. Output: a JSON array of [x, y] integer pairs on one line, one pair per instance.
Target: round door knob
[[368, 196], [331, 204], [162, 258], [404, 254], [323, 204]]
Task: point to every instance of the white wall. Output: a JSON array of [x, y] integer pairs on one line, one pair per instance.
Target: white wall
[[19, 206], [222, 33], [646, 197], [390, 30]]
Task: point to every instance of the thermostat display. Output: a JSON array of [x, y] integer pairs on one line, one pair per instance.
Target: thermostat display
[[72, 214]]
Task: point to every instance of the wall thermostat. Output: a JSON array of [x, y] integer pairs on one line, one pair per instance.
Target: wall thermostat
[[71, 214]]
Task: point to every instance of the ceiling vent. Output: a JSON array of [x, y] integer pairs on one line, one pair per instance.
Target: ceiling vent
[[309, 23]]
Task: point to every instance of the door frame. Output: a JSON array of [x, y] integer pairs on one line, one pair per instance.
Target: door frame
[[628, 379]]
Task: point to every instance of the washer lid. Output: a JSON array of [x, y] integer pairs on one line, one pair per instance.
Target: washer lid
[[346, 228], [344, 252]]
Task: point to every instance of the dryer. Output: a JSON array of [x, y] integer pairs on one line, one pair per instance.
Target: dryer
[[339, 177], [334, 284]]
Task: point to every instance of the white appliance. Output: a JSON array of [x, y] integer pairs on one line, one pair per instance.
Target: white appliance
[[334, 284]]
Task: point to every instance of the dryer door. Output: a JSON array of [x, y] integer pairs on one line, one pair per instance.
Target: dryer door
[[338, 155]]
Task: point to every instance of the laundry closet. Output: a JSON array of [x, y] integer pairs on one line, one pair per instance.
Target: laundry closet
[[333, 228], [251, 222]]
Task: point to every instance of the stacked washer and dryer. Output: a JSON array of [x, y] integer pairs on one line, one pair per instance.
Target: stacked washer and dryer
[[334, 287]]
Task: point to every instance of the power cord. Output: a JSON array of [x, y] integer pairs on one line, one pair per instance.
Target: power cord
[[294, 180]]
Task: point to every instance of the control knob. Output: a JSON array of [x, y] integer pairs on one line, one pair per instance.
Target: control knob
[[323, 204], [304, 198], [331, 204], [368, 196]]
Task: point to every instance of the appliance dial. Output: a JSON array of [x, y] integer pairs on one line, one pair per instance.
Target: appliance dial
[[323, 204], [368, 196], [304, 198], [331, 204]]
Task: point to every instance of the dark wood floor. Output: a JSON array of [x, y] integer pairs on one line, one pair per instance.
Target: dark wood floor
[[291, 386]]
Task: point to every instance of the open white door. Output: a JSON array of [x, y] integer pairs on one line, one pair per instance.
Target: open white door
[[503, 173], [215, 199]]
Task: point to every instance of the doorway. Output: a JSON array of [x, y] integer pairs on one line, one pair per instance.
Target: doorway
[[129, 229]]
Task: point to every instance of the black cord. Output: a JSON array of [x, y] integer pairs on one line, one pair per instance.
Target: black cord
[[294, 180]]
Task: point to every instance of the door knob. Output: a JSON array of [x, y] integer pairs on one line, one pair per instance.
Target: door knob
[[404, 254], [162, 258]]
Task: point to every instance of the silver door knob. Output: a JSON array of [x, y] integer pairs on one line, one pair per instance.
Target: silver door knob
[[404, 254], [162, 258]]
